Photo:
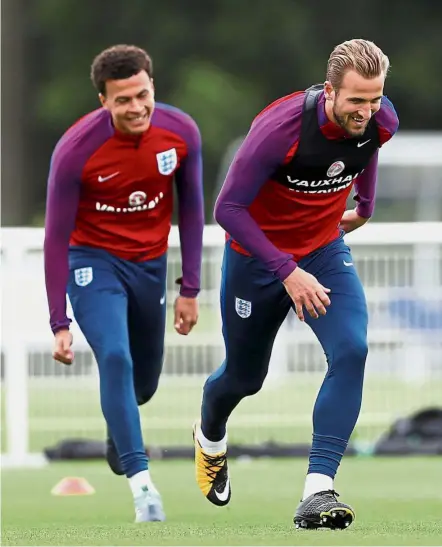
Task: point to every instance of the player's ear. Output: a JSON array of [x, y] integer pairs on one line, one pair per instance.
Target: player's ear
[[102, 99], [328, 91]]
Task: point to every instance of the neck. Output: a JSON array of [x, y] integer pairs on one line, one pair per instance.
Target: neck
[[329, 112]]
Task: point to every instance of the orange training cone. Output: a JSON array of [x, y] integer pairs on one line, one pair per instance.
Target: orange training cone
[[73, 486]]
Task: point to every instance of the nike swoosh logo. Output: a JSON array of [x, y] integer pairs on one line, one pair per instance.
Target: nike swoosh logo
[[222, 496], [102, 179], [347, 263], [163, 299], [362, 143]]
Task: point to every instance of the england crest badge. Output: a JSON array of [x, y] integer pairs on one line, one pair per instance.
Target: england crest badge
[[243, 307], [83, 276], [167, 161]]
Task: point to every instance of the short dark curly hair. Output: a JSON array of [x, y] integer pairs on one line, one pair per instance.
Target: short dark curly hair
[[117, 63]]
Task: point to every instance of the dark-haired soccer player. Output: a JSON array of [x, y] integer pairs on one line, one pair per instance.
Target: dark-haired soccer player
[[108, 217], [283, 207]]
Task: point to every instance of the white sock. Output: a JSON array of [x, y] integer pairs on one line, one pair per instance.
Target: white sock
[[211, 447], [136, 482], [315, 482]]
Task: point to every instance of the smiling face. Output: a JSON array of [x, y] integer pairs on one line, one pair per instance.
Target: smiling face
[[131, 102], [352, 105]]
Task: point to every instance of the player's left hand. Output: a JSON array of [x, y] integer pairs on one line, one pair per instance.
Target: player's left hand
[[351, 221], [186, 314]]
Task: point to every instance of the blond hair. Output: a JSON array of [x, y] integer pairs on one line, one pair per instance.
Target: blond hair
[[363, 56]]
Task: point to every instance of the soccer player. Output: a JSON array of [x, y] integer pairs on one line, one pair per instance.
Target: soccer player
[[108, 217], [283, 208]]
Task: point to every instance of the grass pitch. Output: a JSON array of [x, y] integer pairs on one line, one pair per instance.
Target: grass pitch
[[398, 501]]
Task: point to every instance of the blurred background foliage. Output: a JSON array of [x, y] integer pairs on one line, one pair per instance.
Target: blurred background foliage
[[221, 61]]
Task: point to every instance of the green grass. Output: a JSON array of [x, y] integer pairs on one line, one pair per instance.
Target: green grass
[[397, 502]]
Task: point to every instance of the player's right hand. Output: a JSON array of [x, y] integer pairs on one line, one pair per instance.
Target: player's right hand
[[62, 347], [306, 291]]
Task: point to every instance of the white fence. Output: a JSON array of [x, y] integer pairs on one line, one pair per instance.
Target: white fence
[[400, 265]]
